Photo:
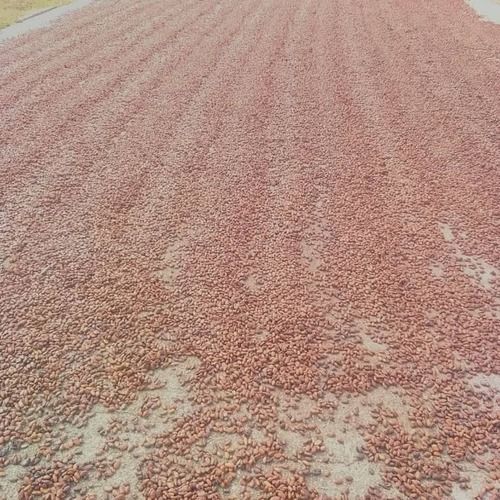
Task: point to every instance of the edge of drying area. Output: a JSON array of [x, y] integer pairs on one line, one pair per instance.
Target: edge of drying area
[[40, 19]]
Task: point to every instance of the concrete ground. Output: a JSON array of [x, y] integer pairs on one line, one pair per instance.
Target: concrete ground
[[251, 250]]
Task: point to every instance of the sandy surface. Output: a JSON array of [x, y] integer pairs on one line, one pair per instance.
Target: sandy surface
[[16, 10], [251, 250]]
